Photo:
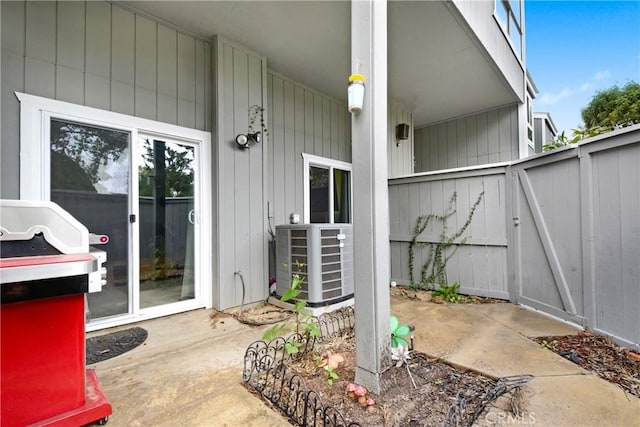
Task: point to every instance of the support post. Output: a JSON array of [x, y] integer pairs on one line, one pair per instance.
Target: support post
[[371, 193]]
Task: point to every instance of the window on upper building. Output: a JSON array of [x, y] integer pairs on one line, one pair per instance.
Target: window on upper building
[[509, 14], [529, 120]]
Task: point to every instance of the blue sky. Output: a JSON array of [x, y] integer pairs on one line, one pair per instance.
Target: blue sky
[[575, 48]]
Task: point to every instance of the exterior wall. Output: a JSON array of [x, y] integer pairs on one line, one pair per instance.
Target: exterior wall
[[479, 265], [545, 130], [483, 138], [240, 228], [301, 120], [479, 16], [99, 55], [538, 135], [399, 153]]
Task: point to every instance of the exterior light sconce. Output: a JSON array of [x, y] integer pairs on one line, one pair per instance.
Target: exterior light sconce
[[243, 140], [356, 93], [402, 132]]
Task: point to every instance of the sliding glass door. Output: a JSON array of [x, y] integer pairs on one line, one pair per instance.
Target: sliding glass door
[[144, 197], [166, 191], [90, 179]]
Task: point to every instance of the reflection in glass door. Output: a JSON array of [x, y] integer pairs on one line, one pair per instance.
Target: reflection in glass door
[[167, 220], [90, 180]]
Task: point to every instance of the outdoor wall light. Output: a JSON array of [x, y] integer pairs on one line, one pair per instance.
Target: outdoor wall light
[[402, 131], [356, 93], [243, 140]]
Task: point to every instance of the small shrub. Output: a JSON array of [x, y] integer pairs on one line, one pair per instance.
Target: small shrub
[[449, 293], [303, 324]]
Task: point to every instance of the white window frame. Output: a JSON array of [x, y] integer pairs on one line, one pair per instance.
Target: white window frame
[[35, 174], [505, 27], [331, 164]]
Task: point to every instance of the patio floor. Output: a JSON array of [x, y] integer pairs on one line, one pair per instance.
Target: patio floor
[[188, 373]]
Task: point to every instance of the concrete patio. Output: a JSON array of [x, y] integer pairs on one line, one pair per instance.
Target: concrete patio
[[188, 373]]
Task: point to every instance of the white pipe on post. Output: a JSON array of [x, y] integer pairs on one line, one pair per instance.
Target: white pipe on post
[[371, 193]]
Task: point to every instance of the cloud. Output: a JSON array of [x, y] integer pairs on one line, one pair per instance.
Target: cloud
[[601, 75], [585, 86], [550, 98]]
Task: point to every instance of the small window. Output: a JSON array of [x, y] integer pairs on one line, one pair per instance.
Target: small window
[[509, 16], [327, 190]]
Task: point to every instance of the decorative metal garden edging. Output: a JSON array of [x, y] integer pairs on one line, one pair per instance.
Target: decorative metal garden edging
[[266, 371]]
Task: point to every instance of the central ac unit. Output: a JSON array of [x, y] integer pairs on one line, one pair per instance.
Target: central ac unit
[[322, 255]]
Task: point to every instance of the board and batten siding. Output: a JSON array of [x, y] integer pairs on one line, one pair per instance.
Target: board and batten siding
[[301, 120], [399, 152], [479, 264], [482, 138], [99, 55], [240, 228]]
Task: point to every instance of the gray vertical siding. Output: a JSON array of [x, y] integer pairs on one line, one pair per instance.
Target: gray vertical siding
[[480, 264], [301, 120], [399, 153], [479, 16], [487, 137], [99, 55], [239, 176]]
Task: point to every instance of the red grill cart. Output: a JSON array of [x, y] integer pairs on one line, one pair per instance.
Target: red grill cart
[[46, 267]]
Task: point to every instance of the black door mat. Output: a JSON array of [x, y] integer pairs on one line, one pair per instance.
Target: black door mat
[[105, 347]]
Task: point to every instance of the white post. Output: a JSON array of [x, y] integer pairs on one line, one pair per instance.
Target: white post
[[371, 193]]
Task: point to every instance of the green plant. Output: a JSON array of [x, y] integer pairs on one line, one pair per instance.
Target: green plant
[[609, 109], [450, 293], [330, 375], [303, 324], [434, 270], [578, 134], [553, 345]]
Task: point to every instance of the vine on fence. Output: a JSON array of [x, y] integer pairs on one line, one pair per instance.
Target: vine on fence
[[434, 269]]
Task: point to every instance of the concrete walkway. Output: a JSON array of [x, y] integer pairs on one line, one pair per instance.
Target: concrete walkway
[[188, 373], [493, 339]]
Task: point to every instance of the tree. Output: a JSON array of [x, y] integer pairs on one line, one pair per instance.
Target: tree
[[613, 107], [87, 146], [178, 171], [609, 109]]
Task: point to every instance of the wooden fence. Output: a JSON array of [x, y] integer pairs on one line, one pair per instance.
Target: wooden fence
[[559, 232]]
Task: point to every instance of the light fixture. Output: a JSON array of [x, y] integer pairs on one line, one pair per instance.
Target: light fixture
[[402, 131], [355, 93], [243, 140]]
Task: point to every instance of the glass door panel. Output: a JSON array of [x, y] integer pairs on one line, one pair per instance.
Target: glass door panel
[[341, 196], [90, 179], [167, 220], [319, 195]]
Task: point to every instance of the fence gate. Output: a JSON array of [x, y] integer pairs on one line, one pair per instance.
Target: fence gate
[[547, 235], [575, 234]]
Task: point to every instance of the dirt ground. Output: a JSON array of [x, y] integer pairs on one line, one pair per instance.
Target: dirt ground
[[426, 392], [600, 356]]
